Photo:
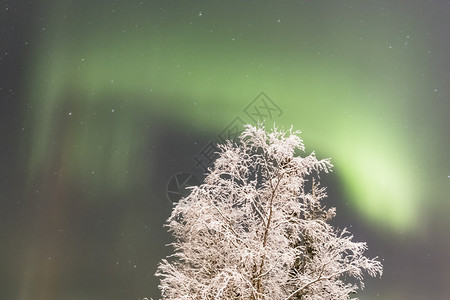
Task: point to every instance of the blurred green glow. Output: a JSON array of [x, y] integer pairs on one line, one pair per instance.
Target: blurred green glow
[[107, 82]]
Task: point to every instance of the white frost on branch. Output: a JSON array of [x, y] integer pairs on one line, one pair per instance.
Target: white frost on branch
[[256, 229]]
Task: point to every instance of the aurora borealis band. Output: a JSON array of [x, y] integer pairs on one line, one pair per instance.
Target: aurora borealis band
[[112, 98]]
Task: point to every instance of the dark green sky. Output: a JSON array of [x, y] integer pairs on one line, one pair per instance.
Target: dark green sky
[[102, 102]]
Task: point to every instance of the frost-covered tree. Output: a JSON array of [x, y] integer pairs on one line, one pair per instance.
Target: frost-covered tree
[[256, 229]]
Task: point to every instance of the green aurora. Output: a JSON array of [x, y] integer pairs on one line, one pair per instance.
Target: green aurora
[[100, 74]]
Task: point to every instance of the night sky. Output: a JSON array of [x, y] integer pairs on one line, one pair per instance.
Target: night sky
[[102, 103]]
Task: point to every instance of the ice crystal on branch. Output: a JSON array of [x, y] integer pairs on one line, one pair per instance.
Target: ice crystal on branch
[[254, 230]]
